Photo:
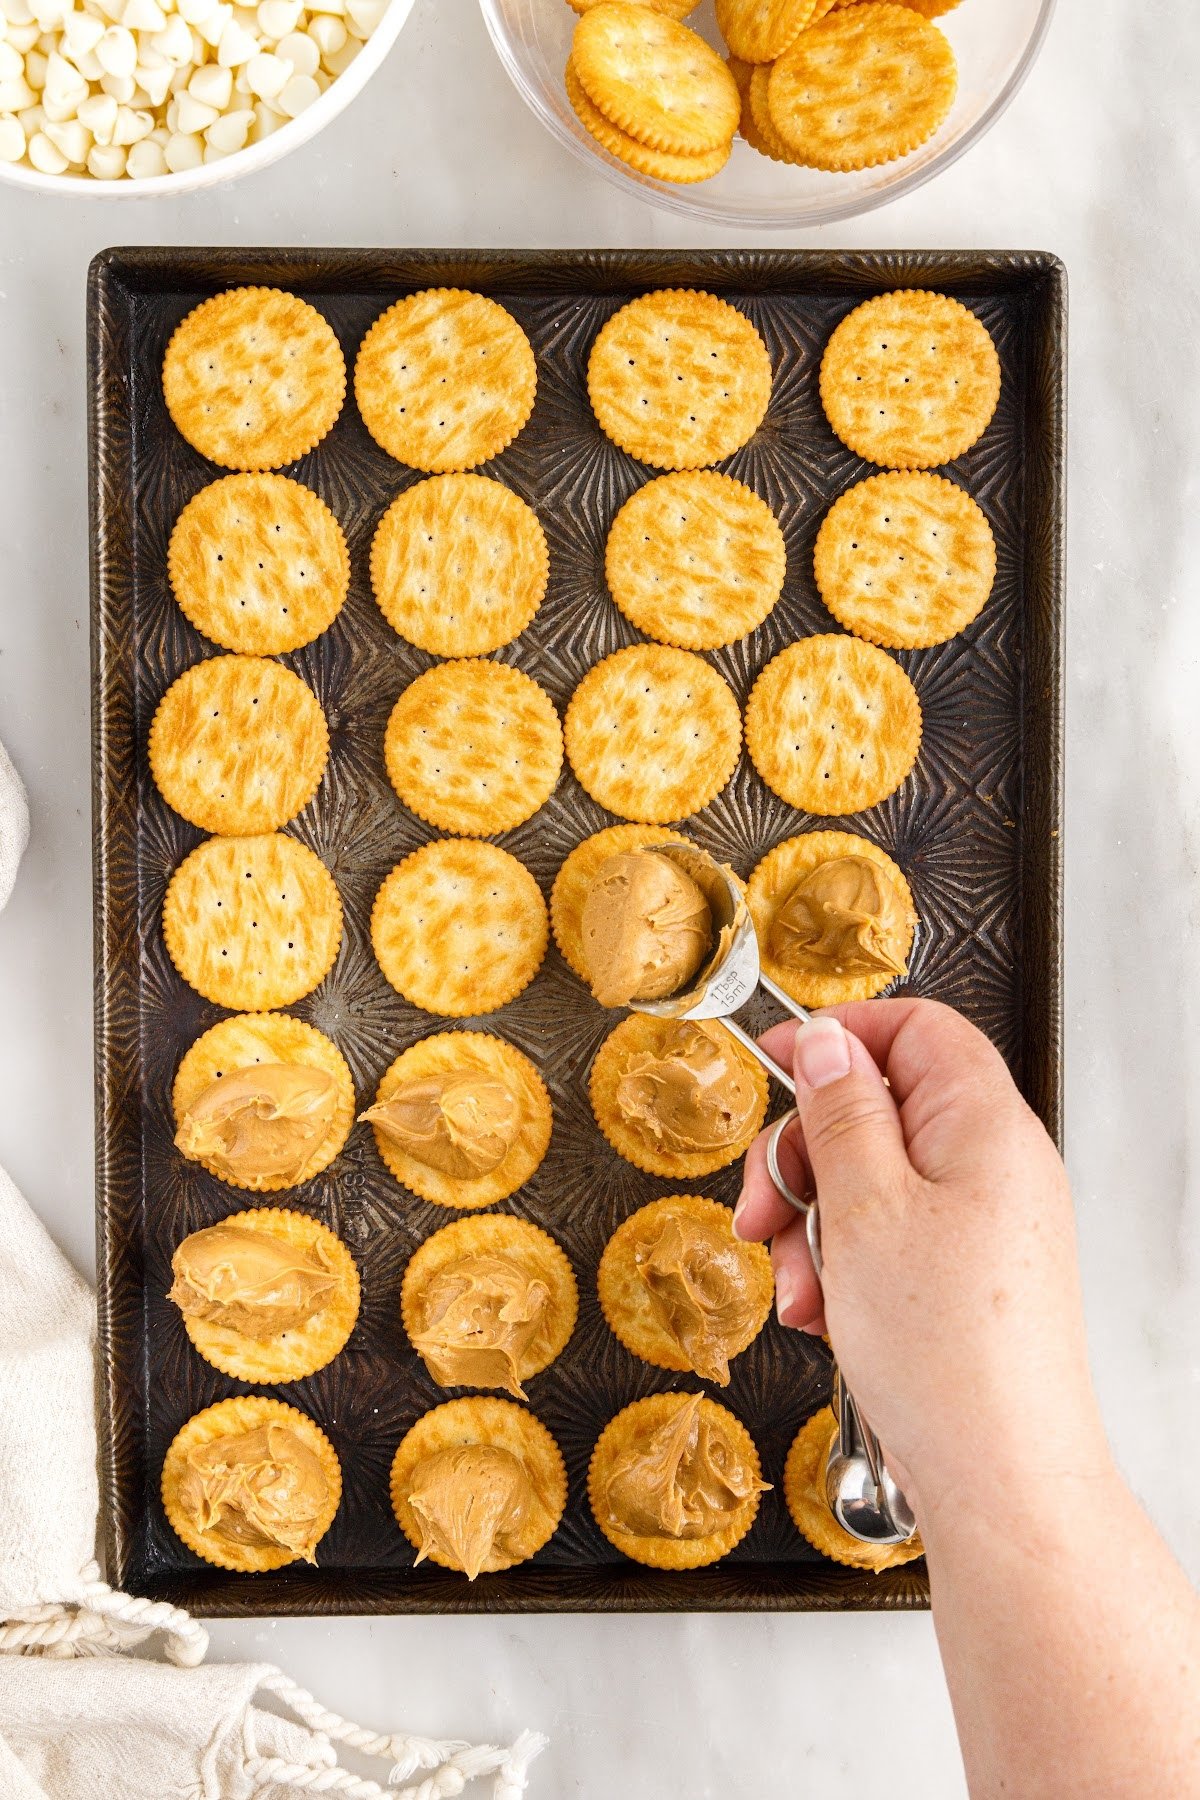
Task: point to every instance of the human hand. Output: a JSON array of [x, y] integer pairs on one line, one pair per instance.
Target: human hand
[[951, 1287]]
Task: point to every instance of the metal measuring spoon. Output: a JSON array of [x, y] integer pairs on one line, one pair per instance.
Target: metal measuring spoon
[[862, 1495]]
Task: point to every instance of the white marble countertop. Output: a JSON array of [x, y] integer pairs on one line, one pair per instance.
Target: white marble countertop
[[1099, 160]]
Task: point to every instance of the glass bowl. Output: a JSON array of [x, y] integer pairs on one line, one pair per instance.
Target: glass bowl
[[995, 42]]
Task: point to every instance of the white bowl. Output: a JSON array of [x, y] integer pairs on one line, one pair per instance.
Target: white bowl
[[995, 42], [297, 131]]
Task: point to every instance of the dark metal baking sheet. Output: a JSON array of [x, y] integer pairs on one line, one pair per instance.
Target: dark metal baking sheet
[[977, 829]]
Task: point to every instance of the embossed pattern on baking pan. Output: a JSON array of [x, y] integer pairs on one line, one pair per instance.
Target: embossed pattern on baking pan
[[976, 829]]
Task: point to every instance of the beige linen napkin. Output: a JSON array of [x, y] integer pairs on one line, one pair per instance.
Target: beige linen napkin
[[76, 1719]]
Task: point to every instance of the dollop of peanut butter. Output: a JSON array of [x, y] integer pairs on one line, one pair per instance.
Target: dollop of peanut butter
[[263, 1123], [700, 1292], [463, 1125], [251, 1281], [844, 918], [646, 927], [471, 1502], [262, 1488], [693, 1094], [478, 1320], [688, 1479]]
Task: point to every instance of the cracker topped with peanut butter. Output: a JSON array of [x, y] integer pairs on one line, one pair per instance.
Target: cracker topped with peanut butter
[[675, 1481], [677, 1097]]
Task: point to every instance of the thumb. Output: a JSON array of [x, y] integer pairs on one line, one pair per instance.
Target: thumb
[[853, 1139]]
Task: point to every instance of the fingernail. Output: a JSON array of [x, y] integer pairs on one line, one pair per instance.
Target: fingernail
[[785, 1295], [741, 1201], [822, 1053]]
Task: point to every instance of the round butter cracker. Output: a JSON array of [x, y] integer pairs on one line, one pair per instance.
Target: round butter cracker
[[576, 875], [459, 565], [757, 31], [865, 86], [483, 1419], [625, 1298], [258, 563], [253, 378], [253, 922], [910, 380], [445, 380], [272, 1038], [238, 745], [679, 378], [474, 747], [634, 1425], [653, 733], [499, 1234], [905, 560], [655, 79], [662, 165], [469, 1053], [294, 1354], [244, 1413], [674, 9], [695, 559], [459, 928], [635, 1036], [804, 1493], [780, 871], [833, 725]]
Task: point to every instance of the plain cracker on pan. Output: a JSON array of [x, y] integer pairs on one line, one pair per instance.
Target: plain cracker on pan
[[757, 31], [459, 928], [679, 379], [910, 379], [833, 725], [695, 559], [632, 1426], [516, 1241], [863, 87], [474, 747], [252, 922], [625, 1298], [484, 1419], [639, 1034], [577, 874], [804, 1492], [258, 563], [253, 378], [655, 79], [662, 165], [299, 1352], [243, 1414], [905, 559], [249, 1038], [238, 745], [653, 733], [459, 565], [468, 1053], [445, 380], [779, 873]]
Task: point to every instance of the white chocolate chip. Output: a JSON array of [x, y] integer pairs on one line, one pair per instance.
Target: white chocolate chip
[[12, 139], [268, 75], [194, 115], [154, 83], [50, 14], [300, 51], [174, 41], [328, 34], [81, 33], [366, 14], [106, 162], [212, 86], [143, 15], [121, 87], [32, 119], [99, 113], [145, 160], [229, 132], [183, 152], [46, 157], [117, 51], [72, 138], [214, 23], [132, 126], [237, 46], [22, 37], [17, 12], [339, 61], [11, 63], [277, 17], [35, 70], [16, 94], [299, 93]]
